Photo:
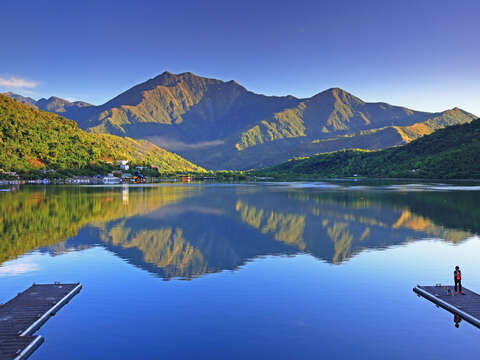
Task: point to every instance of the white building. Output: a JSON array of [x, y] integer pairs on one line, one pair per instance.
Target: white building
[[123, 164]]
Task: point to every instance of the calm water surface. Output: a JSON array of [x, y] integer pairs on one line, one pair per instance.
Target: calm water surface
[[277, 271]]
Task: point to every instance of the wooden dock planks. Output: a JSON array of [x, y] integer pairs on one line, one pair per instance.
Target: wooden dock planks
[[466, 306], [23, 315]]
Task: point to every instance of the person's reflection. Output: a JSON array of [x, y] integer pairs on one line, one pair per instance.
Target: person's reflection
[[457, 320]]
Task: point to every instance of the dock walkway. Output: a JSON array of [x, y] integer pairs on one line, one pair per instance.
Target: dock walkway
[[465, 306], [23, 315]]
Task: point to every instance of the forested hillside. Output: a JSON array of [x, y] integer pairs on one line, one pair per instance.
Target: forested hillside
[[450, 153], [34, 139]]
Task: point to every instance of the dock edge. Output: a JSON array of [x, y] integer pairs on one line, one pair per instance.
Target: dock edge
[[447, 306], [37, 324], [34, 345]]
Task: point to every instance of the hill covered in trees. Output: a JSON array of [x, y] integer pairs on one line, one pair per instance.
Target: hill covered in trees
[[450, 153], [31, 139]]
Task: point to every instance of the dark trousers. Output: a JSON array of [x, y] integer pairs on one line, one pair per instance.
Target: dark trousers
[[458, 285]]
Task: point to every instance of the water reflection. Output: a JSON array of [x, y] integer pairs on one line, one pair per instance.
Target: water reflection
[[457, 320], [36, 217], [187, 231]]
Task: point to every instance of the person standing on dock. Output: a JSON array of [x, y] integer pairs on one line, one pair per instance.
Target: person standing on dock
[[457, 277]]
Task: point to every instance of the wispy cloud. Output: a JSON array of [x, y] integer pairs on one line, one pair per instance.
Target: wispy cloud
[[175, 145], [14, 269], [14, 82]]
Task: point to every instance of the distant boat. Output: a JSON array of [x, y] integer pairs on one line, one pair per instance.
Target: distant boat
[[110, 179]]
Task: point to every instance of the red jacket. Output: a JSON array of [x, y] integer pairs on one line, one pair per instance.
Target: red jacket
[[457, 275]]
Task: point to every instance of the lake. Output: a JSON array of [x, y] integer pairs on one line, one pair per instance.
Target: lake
[[246, 271]]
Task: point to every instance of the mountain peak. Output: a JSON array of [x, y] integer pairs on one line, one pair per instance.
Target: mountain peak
[[457, 111], [22, 99], [337, 91], [168, 74], [56, 98], [339, 95], [52, 99], [167, 79]]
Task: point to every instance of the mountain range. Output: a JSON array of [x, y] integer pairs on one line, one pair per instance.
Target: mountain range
[[52, 104], [222, 125]]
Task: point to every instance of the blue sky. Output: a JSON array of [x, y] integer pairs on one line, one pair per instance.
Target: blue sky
[[421, 54]]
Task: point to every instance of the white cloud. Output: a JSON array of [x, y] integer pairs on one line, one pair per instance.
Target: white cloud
[[14, 269], [16, 83]]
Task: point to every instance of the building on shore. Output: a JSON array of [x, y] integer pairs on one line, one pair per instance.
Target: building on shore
[[123, 164], [110, 180]]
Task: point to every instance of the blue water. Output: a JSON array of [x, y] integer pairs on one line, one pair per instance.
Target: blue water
[[245, 271]]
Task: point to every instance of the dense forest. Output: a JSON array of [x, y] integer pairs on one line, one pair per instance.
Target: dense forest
[[450, 153], [31, 139]]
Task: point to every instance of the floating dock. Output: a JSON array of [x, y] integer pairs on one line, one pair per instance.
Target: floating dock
[[23, 315], [465, 306]]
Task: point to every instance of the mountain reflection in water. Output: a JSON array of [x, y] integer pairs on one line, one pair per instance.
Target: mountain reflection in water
[[186, 231]]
